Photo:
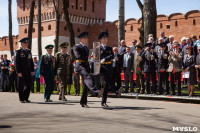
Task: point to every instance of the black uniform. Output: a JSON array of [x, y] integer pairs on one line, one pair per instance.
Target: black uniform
[[4, 65], [81, 53], [24, 64], [163, 75], [107, 70], [150, 70]]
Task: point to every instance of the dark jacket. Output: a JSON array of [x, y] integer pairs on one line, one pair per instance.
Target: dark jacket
[[23, 61]]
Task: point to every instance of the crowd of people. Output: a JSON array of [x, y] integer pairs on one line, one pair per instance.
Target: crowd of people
[[165, 58]]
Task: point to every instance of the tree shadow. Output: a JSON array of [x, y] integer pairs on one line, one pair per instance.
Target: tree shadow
[[129, 108], [5, 126], [52, 103]]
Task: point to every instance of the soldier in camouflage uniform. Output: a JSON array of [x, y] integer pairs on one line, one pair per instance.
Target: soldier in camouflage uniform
[[64, 69]]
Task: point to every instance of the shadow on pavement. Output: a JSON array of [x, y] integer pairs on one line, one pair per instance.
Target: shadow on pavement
[[5, 126], [129, 108]]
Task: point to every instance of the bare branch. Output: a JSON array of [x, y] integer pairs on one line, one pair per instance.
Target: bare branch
[[140, 5]]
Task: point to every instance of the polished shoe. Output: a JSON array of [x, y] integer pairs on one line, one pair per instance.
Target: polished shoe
[[84, 105], [50, 100], [173, 94], [64, 99], [22, 101], [100, 92], [59, 98], [45, 100], [27, 101], [189, 96], [178, 94], [104, 105]]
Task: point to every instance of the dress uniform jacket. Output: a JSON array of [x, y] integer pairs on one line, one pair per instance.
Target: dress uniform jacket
[[24, 64], [138, 69], [48, 69], [106, 70], [64, 70], [81, 54]]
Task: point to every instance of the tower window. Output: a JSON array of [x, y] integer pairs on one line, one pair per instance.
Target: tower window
[[168, 26], [194, 21], [49, 27], [131, 28], [42, 28], [33, 30], [23, 5], [161, 26], [93, 6], [76, 4], [85, 5], [176, 23], [25, 31]]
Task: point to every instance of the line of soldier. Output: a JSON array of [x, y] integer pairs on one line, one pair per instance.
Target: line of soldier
[[154, 58]]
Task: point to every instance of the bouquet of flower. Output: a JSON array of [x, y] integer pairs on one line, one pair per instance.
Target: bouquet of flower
[[12, 68]]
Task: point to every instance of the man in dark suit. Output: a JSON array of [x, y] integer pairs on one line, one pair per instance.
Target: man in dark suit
[[116, 64], [5, 66], [165, 39], [149, 57], [24, 68], [128, 69], [81, 53], [106, 57], [162, 65], [198, 66]]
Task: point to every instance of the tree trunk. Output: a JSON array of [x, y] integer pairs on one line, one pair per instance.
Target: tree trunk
[[57, 25], [141, 29], [10, 27], [39, 30], [121, 29], [30, 28], [69, 26], [150, 18]]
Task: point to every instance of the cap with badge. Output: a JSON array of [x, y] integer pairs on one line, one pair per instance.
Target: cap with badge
[[64, 45], [24, 40], [49, 46], [138, 46], [103, 34], [83, 34]]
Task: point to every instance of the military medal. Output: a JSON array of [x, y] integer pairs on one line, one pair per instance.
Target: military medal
[[29, 56]]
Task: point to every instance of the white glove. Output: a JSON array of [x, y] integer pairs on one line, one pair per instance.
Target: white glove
[[102, 61]]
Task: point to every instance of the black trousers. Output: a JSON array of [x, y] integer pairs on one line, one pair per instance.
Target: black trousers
[[128, 76], [106, 72], [77, 83], [173, 77], [37, 84], [88, 84], [152, 76], [117, 76], [5, 79], [24, 86], [13, 82], [163, 78]]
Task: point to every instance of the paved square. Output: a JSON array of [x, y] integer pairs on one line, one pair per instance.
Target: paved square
[[123, 115]]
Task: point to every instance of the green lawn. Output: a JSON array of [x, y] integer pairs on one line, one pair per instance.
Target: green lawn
[[72, 91]]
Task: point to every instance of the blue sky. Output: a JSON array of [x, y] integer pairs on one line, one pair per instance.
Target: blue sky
[[131, 11]]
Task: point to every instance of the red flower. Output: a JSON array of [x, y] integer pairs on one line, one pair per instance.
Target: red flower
[[89, 57], [57, 82], [138, 69], [11, 65], [161, 70]]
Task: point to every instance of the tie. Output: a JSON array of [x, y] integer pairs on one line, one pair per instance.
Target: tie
[[126, 60]]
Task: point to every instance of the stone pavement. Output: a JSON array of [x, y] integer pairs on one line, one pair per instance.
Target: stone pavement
[[122, 116]]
